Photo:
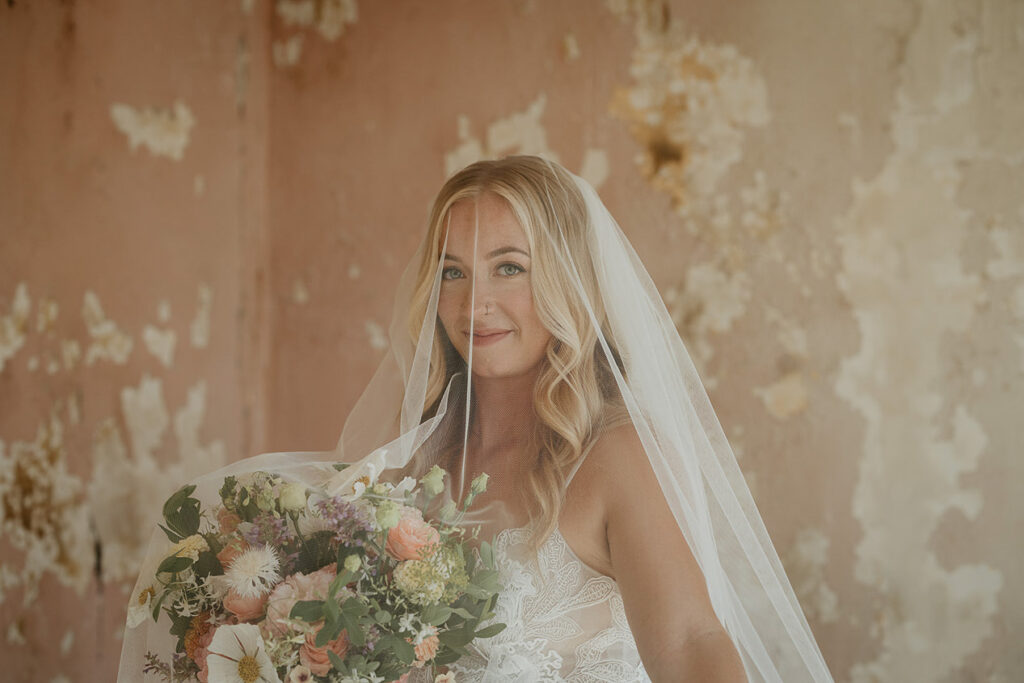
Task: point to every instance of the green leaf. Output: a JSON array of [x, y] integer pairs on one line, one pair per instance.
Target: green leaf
[[464, 613], [341, 466], [174, 538], [490, 631], [433, 615], [382, 617], [402, 649], [308, 610], [336, 661], [355, 632], [457, 638], [330, 630], [342, 579], [174, 564], [207, 564], [178, 498], [487, 554], [447, 656], [227, 491]]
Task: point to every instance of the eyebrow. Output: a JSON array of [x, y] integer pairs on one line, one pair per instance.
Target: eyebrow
[[497, 252]]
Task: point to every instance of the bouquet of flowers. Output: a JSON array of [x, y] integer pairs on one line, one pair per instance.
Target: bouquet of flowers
[[282, 582]]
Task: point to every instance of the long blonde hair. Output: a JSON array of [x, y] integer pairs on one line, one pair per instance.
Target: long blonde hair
[[575, 394]]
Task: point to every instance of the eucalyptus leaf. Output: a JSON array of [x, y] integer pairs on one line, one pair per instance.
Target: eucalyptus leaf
[[174, 564], [490, 631], [336, 661]]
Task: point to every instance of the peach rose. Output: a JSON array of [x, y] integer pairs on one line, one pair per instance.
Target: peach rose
[[426, 650], [244, 607], [296, 587], [316, 658], [228, 553], [228, 521], [408, 538]]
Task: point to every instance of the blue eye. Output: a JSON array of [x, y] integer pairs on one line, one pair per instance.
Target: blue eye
[[451, 273], [515, 269]]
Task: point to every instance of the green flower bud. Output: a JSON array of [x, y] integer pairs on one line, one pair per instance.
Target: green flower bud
[[449, 511], [433, 481], [353, 563], [479, 484], [389, 513]]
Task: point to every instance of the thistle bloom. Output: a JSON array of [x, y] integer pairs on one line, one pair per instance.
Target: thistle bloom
[[237, 655], [255, 572]]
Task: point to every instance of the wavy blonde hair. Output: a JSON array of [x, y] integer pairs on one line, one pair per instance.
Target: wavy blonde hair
[[575, 395]]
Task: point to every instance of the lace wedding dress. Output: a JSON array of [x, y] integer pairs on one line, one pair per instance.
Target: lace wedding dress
[[565, 621]]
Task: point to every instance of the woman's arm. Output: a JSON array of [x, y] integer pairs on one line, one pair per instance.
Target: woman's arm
[[677, 632]]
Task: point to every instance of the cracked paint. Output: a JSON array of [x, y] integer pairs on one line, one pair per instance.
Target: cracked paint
[[518, 133], [14, 324], [163, 131], [199, 330], [109, 342], [160, 343]]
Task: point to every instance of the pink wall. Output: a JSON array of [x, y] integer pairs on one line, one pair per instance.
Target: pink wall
[[826, 194]]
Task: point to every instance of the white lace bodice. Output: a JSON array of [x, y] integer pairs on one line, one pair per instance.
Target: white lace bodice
[[565, 622]]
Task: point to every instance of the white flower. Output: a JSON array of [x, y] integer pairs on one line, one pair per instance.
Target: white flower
[[405, 623], [445, 678], [237, 655], [300, 674], [407, 484], [254, 572], [140, 606], [293, 496]]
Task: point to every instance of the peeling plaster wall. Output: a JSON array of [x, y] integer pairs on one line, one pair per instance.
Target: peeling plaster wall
[[827, 194], [132, 163]]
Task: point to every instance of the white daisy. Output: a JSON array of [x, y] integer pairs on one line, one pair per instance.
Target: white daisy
[[255, 572], [237, 655], [140, 606]]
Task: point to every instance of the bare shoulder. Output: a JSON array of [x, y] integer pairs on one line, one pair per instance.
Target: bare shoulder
[[617, 464]]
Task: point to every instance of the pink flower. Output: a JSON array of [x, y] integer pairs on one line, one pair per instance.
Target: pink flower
[[411, 536], [201, 652], [245, 608], [316, 658], [296, 587], [227, 520], [426, 650], [233, 549]]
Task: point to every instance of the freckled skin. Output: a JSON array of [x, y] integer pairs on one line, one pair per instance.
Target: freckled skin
[[503, 294]]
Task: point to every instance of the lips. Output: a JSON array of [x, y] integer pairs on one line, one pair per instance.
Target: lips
[[489, 336]]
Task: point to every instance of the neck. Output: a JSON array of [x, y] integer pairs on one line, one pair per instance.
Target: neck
[[504, 418]]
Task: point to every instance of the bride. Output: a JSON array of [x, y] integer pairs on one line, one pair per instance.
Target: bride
[[529, 344]]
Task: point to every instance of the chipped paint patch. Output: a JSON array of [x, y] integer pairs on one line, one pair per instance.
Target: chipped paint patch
[[706, 305], [375, 333], [287, 52], [784, 398], [163, 311], [354, 271], [199, 185], [689, 107], [595, 167], [46, 314], [200, 328], [300, 294], [42, 514], [328, 17], [806, 569], [518, 133], [145, 415], [160, 343], [163, 131], [13, 325], [109, 343], [67, 642], [570, 47], [194, 457]]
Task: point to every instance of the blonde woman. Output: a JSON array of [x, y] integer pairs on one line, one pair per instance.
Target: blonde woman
[[541, 352]]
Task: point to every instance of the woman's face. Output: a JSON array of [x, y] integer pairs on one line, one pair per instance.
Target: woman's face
[[508, 338]]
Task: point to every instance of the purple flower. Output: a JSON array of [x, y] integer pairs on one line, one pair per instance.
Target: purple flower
[[347, 521]]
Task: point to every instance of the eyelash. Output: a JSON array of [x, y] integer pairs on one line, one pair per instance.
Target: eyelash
[[519, 269]]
